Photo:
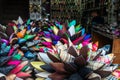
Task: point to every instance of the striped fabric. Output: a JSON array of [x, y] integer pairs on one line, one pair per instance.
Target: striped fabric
[[95, 65], [60, 46], [66, 57], [94, 76], [44, 57]]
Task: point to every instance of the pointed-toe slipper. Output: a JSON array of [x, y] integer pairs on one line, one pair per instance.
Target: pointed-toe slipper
[[43, 74], [37, 65], [15, 62], [58, 67], [53, 58], [44, 57], [7, 69], [23, 74], [95, 65], [4, 60], [47, 68], [103, 74], [19, 67]]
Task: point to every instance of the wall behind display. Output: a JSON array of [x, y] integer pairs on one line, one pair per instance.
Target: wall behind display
[[11, 9]]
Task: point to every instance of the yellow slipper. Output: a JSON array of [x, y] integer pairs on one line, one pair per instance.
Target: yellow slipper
[[40, 79], [37, 64]]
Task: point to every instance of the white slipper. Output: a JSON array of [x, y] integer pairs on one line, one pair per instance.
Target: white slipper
[[1, 75], [43, 74], [44, 57]]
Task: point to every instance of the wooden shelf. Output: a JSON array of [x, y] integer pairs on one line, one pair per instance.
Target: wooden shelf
[[116, 50], [104, 38], [107, 35]]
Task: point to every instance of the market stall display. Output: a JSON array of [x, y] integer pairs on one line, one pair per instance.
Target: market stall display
[[53, 51]]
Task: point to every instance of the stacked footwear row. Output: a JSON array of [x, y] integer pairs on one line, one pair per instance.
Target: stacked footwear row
[[54, 52], [111, 29]]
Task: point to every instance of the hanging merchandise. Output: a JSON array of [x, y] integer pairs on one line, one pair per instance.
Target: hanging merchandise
[[35, 9]]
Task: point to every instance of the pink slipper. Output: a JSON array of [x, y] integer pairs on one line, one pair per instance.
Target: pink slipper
[[84, 43], [19, 67], [11, 51], [16, 62], [23, 74], [78, 39]]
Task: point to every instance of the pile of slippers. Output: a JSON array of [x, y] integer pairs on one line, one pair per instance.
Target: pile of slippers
[[54, 51]]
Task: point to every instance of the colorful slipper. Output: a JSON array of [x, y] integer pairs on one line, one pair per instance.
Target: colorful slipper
[[53, 58], [84, 52], [75, 76], [80, 61], [3, 46], [21, 33], [6, 69], [16, 46], [75, 36], [72, 50], [58, 67], [34, 49], [29, 55], [103, 74], [37, 65], [55, 30], [95, 46], [70, 68], [23, 74], [4, 60], [13, 41], [43, 74], [7, 49], [17, 78], [47, 39], [28, 37], [15, 62], [19, 67], [30, 78], [71, 30], [47, 68], [4, 41], [1, 74], [21, 40], [44, 57], [94, 76], [78, 40], [24, 48], [40, 79], [95, 65], [20, 52], [11, 51], [66, 57], [57, 76], [107, 59]]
